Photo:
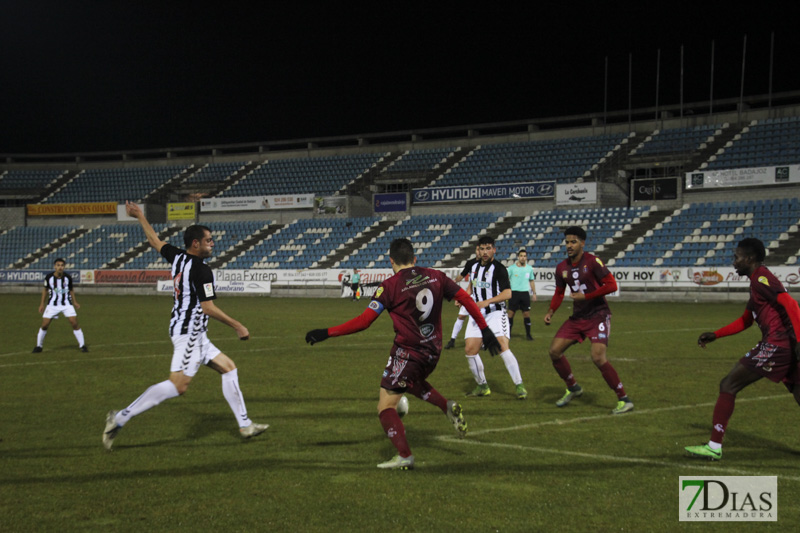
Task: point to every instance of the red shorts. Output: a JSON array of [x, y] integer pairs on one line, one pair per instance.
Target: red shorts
[[406, 369], [597, 328], [773, 362]]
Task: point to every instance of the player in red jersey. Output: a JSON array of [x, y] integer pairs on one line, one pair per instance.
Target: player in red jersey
[[589, 281], [413, 296], [774, 357]]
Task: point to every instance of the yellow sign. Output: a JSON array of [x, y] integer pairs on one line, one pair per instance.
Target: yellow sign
[[97, 208], [181, 211]]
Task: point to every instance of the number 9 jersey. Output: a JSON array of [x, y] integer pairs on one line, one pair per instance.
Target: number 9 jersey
[[413, 297]]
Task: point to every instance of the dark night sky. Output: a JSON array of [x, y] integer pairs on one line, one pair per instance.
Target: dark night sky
[[106, 75]]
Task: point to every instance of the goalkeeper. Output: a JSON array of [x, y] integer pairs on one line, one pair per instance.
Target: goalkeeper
[[413, 296]]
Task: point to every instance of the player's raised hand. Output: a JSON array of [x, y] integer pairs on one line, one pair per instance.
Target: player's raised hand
[[490, 342], [316, 335], [705, 338], [132, 209]]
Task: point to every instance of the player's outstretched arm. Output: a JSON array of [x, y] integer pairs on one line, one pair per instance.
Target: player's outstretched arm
[[738, 325], [705, 338], [316, 335], [216, 313], [134, 211], [490, 342], [359, 323]]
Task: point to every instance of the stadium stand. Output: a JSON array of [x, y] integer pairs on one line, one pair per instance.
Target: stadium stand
[[114, 184], [302, 243], [768, 142], [214, 172], [541, 233], [707, 233], [435, 238], [28, 179], [21, 245], [677, 140], [322, 176], [677, 233], [562, 160]]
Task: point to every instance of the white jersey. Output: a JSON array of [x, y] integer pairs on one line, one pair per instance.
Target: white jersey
[[59, 289], [487, 282], [193, 282]]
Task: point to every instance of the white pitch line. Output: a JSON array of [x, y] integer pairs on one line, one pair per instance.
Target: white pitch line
[[613, 458], [562, 422], [606, 457]]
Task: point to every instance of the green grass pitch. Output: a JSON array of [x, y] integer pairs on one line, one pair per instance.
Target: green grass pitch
[[525, 466]]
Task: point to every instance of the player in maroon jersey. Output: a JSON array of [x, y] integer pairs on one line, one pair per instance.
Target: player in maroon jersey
[[589, 281], [774, 357], [413, 296]]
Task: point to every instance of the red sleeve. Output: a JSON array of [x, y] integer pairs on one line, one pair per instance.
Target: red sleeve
[[609, 285], [738, 325], [792, 309], [469, 304], [359, 323], [558, 297]]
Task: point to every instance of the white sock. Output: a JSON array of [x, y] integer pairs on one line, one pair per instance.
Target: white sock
[[457, 327], [714, 445], [78, 335], [149, 399], [476, 366], [232, 393], [40, 337], [512, 366]]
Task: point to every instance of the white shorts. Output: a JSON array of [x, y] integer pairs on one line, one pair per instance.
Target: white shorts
[[497, 322], [52, 311], [190, 352]]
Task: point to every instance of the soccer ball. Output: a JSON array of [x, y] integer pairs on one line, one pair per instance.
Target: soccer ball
[[402, 407]]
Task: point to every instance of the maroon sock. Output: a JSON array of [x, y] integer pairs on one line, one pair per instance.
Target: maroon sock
[[611, 377], [564, 371], [723, 411], [428, 394], [395, 430]]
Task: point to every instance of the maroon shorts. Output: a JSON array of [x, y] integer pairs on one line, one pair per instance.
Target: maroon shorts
[[406, 369], [597, 328], [773, 362]]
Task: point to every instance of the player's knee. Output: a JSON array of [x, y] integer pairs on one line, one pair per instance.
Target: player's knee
[[726, 386]]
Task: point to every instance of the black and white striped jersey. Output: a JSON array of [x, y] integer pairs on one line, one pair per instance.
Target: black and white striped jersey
[[487, 281], [193, 282], [59, 289]]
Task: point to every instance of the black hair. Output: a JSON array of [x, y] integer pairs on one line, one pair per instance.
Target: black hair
[[522, 250], [578, 231], [402, 252], [193, 232], [753, 247], [486, 239], [59, 260]]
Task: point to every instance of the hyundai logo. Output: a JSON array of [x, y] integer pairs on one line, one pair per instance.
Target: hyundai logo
[[421, 195], [545, 189]]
